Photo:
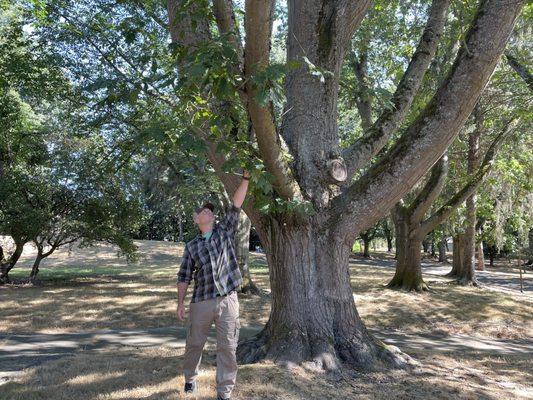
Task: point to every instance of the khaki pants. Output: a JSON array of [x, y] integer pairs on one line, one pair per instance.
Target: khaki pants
[[224, 310]]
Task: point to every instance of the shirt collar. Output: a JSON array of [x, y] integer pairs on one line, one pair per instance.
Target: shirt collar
[[199, 235]]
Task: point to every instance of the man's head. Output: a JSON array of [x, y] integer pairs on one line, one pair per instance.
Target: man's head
[[204, 217]]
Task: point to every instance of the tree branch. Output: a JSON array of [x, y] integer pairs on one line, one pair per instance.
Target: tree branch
[[361, 152], [520, 69], [427, 138], [362, 96], [431, 190], [444, 212], [258, 26], [184, 35]]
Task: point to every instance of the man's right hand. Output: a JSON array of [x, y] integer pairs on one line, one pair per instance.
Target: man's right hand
[[181, 312]]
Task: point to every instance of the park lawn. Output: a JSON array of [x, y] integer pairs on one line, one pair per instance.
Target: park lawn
[[91, 289], [156, 373]]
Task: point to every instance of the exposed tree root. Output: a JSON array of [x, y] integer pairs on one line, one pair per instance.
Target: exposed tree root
[[322, 354]]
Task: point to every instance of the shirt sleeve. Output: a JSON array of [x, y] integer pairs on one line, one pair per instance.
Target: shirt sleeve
[[231, 219], [186, 267]]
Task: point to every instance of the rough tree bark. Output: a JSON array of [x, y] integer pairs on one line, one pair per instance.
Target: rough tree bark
[[408, 274], [456, 255], [313, 315]]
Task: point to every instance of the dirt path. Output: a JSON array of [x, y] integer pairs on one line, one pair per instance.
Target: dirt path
[[27, 350]]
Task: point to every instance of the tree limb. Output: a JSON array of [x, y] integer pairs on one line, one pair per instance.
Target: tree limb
[[444, 212], [427, 138], [258, 26], [361, 152], [431, 190], [520, 69], [362, 97], [184, 35]]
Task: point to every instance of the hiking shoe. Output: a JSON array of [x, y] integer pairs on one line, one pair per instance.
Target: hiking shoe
[[191, 387]]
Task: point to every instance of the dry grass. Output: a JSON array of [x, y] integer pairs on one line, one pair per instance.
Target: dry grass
[[446, 309], [155, 373], [91, 289]]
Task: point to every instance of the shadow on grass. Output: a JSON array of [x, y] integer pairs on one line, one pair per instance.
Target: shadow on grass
[[156, 373]]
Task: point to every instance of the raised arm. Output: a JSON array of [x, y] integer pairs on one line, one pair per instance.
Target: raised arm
[[240, 193]]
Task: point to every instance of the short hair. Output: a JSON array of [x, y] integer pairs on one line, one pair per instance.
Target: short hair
[[208, 205]]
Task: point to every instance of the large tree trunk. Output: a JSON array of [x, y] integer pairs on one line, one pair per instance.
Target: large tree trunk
[[313, 315], [242, 247]]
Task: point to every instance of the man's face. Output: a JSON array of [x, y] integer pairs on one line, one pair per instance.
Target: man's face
[[204, 219]]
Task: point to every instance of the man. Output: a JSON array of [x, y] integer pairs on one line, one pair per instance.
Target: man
[[210, 260]]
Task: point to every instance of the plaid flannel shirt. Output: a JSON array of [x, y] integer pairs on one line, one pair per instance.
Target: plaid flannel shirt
[[212, 263]]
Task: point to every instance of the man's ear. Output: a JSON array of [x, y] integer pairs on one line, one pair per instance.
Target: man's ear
[[195, 218]]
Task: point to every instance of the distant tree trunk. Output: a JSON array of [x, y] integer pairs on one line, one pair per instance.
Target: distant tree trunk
[[180, 229], [408, 274], [7, 265], [480, 257], [366, 246], [367, 237], [492, 254], [530, 239], [442, 249], [35, 268], [457, 255], [389, 243], [425, 245], [467, 274], [242, 247], [41, 254]]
